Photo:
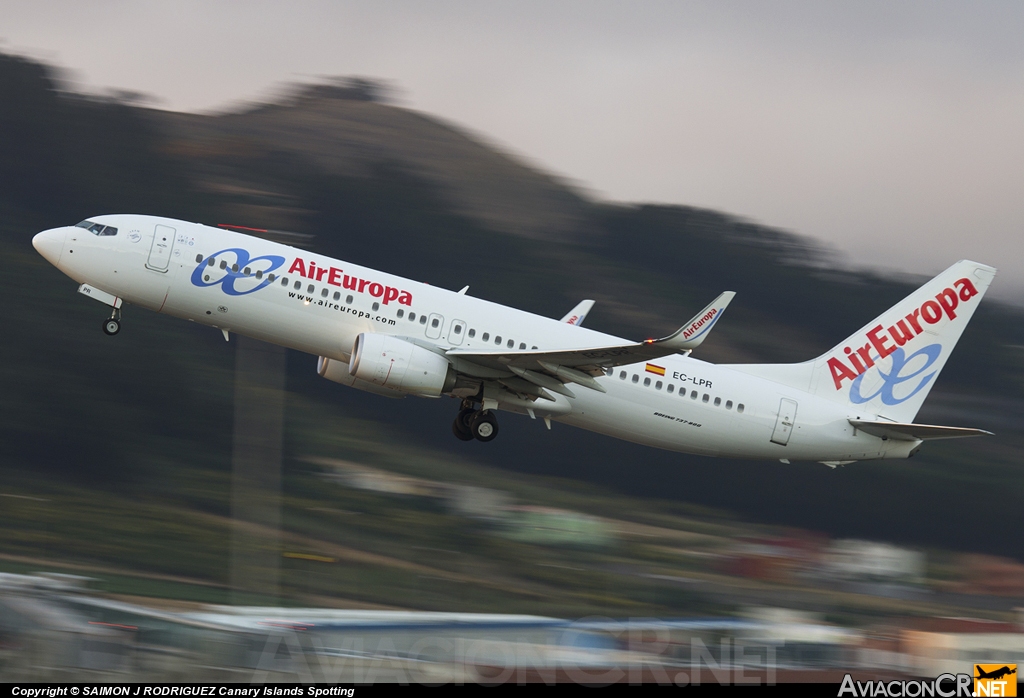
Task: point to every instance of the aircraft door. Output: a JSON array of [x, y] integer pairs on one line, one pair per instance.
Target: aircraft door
[[456, 332], [784, 424], [160, 251], [434, 325]]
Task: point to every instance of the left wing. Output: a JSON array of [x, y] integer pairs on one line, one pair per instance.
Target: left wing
[[579, 365]]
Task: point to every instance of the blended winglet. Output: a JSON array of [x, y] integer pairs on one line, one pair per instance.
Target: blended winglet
[[577, 315], [692, 334]]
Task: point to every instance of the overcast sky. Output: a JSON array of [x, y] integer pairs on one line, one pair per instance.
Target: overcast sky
[[893, 131]]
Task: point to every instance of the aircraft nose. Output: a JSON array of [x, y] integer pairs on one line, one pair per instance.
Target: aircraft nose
[[50, 244]]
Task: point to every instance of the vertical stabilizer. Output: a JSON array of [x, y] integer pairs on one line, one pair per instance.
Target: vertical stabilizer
[[888, 366]]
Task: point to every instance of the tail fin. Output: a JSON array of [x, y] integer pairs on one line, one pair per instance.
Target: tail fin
[[889, 366]]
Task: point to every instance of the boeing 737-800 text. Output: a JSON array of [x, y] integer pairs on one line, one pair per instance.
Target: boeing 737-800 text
[[392, 336]]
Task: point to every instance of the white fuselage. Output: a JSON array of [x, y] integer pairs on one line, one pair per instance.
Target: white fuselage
[[322, 305]]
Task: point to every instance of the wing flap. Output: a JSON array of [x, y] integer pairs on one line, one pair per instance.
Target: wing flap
[[915, 432]]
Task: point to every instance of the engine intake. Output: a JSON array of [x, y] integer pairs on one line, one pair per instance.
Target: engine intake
[[390, 362]]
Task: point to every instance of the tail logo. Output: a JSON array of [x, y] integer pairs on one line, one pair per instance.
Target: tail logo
[[895, 376], [883, 343]]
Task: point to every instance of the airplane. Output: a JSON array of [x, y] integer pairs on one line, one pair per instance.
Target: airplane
[[395, 337]]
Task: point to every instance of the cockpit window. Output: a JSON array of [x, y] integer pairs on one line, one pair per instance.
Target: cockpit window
[[98, 228]]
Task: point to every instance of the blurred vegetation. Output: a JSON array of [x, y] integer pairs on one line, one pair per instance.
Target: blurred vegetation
[[117, 451]]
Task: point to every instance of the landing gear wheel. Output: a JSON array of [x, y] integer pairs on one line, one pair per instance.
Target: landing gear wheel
[[111, 326], [460, 427], [484, 426]]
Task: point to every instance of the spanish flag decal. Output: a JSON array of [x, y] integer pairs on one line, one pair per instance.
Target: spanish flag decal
[[658, 370]]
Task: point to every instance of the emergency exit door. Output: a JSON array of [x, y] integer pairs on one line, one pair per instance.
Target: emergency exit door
[[784, 424], [160, 251]]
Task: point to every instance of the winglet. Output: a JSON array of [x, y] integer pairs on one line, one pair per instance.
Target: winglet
[[578, 314], [692, 334]]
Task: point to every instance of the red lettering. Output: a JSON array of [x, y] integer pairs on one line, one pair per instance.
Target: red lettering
[[854, 360], [879, 342], [320, 273], [931, 312], [376, 290], [390, 294], [298, 267], [912, 319], [362, 284], [335, 278], [901, 333], [311, 270], [840, 372], [405, 298], [948, 300], [967, 291], [865, 353], [350, 282]]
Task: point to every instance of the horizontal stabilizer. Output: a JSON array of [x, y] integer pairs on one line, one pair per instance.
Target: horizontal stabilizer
[[915, 432]]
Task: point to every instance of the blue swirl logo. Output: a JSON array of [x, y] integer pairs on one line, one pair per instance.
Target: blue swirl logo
[[895, 376], [234, 272]]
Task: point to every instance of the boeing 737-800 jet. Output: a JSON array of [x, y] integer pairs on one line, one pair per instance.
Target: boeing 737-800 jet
[[392, 336]]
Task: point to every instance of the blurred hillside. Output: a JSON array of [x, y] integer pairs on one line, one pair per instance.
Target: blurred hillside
[[141, 423]]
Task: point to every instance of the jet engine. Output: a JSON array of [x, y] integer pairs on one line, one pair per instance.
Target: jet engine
[[392, 363], [337, 371]]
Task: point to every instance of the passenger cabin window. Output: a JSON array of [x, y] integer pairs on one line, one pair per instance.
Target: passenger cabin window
[[348, 299], [223, 264], [718, 401], [271, 277], [423, 319], [472, 333], [210, 262], [199, 258], [739, 408], [657, 386], [497, 340], [298, 285], [433, 323], [458, 328], [486, 336], [325, 292], [337, 297], [247, 271], [511, 343], [705, 398], [728, 404], [400, 313], [375, 307], [522, 345], [622, 375], [259, 274], [284, 280], [647, 382], [412, 316], [636, 378], [671, 388], [310, 289], [234, 268], [693, 395]]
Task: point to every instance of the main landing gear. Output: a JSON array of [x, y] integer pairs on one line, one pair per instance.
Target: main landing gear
[[112, 325], [472, 423]]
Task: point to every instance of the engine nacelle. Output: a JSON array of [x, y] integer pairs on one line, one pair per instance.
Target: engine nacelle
[[337, 371], [393, 363]]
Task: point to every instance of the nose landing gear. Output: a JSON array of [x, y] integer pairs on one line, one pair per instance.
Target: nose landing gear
[[112, 325], [471, 424]]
